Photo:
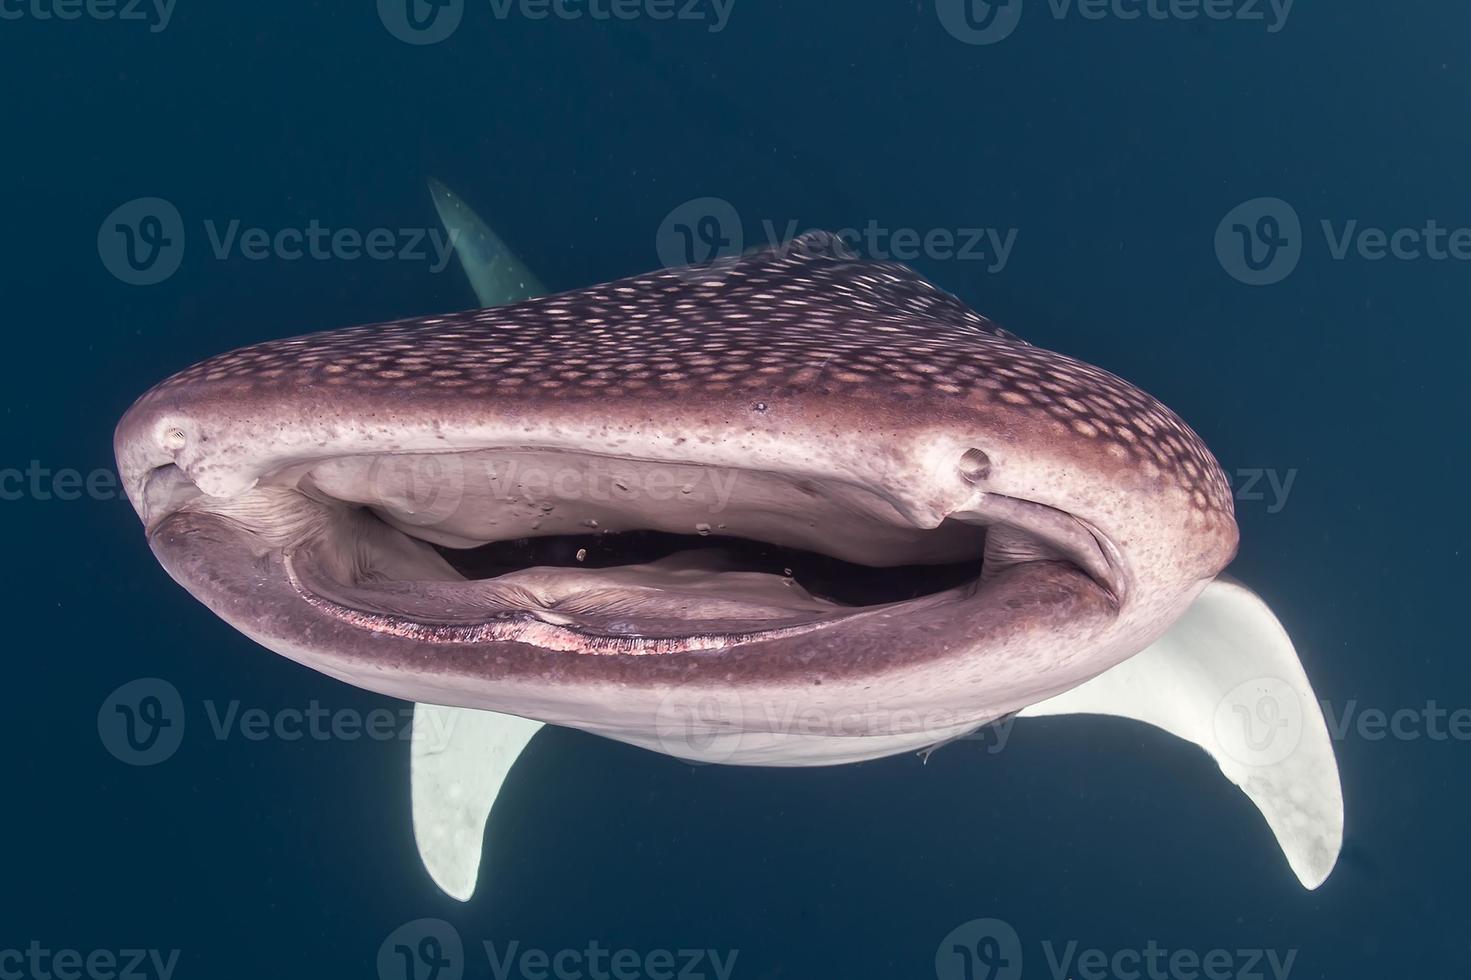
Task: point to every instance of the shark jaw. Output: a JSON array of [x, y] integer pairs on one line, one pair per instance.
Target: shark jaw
[[513, 545]]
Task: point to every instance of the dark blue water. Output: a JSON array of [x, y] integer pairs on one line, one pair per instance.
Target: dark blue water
[[1112, 147]]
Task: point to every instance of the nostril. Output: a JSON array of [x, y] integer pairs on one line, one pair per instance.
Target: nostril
[[975, 466]]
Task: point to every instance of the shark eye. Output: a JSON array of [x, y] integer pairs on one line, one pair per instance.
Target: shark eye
[[975, 466], [173, 438]]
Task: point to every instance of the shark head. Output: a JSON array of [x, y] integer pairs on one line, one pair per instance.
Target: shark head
[[791, 508], [771, 462]]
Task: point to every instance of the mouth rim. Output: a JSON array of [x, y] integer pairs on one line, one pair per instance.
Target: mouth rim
[[1052, 535], [1056, 536]]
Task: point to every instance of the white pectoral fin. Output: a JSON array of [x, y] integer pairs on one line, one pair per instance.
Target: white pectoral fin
[[458, 761], [1227, 678]]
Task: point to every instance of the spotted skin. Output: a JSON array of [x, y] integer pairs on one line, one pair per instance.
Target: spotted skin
[[807, 318]]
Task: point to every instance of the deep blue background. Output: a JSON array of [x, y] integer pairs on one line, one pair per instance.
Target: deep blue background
[[1113, 147]]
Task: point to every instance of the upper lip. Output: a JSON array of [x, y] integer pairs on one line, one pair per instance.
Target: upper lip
[[1071, 537]]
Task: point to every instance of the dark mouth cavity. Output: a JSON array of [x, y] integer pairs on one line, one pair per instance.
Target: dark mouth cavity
[[838, 581]]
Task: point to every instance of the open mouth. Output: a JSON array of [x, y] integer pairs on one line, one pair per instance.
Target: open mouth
[[593, 554], [823, 577]]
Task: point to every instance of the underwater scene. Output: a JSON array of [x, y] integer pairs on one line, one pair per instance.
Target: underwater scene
[[735, 490]]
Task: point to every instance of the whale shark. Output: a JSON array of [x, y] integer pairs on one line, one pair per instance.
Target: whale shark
[[792, 507]]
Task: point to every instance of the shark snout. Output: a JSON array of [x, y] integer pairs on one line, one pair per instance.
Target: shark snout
[[146, 440]]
